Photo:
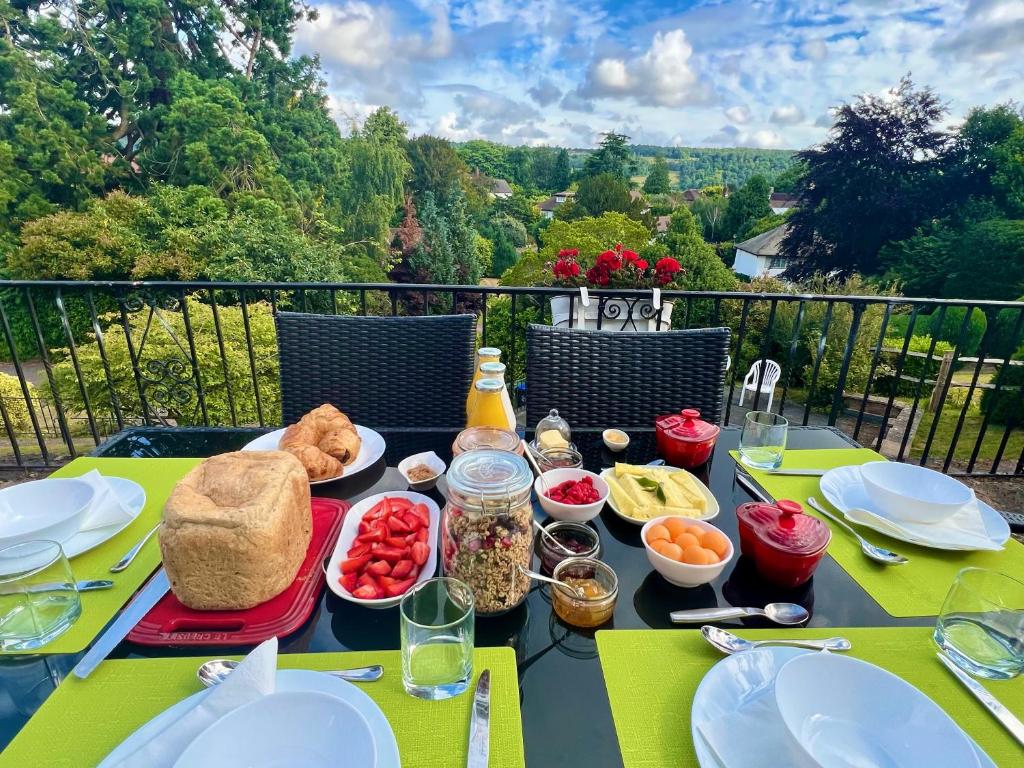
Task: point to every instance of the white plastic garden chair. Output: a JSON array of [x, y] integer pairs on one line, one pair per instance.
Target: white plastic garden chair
[[772, 373]]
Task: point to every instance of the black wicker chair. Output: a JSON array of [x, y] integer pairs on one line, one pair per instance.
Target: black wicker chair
[[384, 372], [602, 379]]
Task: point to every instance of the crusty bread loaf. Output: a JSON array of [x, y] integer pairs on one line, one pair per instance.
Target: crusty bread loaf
[[236, 529]]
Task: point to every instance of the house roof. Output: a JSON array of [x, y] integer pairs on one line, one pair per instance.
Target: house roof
[[566, 193], [782, 200], [689, 195], [634, 195], [500, 187], [765, 244], [548, 205], [662, 223]]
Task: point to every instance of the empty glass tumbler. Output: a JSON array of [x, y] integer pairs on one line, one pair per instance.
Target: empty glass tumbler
[[38, 596], [763, 439], [437, 638], [981, 625]]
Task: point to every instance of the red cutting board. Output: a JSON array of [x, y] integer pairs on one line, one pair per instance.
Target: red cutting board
[[171, 623]]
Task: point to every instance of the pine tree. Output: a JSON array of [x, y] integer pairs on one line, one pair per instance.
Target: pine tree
[[657, 181]]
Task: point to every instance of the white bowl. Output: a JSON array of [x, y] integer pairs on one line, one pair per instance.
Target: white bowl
[[612, 446], [308, 729], [43, 509], [913, 493], [429, 459], [685, 574], [846, 712], [577, 513]]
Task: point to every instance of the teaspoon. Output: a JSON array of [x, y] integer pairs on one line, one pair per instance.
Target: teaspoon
[[878, 554], [551, 538], [212, 672], [780, 613], [727, 642], [574, 591]]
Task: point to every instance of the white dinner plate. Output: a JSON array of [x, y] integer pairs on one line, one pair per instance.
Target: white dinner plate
[[370, 450], [297, 729], [738, 680], [713, 508], [350, 528], [286, 680], [844, 489], [133, 499]]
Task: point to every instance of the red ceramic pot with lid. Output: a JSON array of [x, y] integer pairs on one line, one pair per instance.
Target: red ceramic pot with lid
[[684, 440], [785, 544]]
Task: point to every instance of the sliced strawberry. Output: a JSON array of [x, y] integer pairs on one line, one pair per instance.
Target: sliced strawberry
[[398, 541], [399, 588], [367, 592], [402, 569], [391, 554], [399, 504], [420, 553], [359, 549], [398, 525], [422, 513], [367, 578], [379, 568], [348, 581], [412, 520], [422, 535], [354, 564], [386, 581], [363, 527], [376, 534]]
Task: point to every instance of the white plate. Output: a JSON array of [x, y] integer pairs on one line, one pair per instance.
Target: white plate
[[865, 715], [50, 509], [133, 499], [737, 680], [298, 729], [844, 489], [287, 680], [713, 508], [350, 528], [371, 449]]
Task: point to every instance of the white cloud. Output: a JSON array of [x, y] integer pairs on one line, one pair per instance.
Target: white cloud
[[354, 34], [662, 75], [545, 92], [731, 136], [787, 114], [815, 49], [739, 114]]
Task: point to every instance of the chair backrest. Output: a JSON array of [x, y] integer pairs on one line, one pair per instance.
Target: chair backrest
[[772, 372], [608, 379], [384, 372]]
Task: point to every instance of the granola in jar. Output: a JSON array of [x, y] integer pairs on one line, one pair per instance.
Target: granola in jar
[[488, 527]]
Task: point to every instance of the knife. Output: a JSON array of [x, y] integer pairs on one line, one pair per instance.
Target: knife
[[480, 723], [752, 487], [140, 605], [797, 472], [990, 702]]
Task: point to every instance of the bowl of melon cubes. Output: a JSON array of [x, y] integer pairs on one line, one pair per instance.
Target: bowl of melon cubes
[[685, 551]]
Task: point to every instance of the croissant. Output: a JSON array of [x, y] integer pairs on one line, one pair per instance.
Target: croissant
[[342, 445], [297, 435], [319, 465], [324, 440]]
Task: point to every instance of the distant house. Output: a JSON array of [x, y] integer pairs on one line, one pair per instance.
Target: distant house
[[547, 207], [780, 202], [691, 195], [496, 188], [634, 195], [661, 224], [759, 256]]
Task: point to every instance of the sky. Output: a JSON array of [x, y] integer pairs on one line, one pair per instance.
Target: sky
[[723, 73]]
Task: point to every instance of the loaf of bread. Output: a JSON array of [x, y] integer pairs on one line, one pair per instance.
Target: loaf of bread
[[236, 529]]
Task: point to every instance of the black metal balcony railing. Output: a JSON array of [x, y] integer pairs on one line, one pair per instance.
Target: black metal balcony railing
[[926, 380]]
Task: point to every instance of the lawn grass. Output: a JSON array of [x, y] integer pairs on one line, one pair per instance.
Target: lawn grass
[[967, 438]]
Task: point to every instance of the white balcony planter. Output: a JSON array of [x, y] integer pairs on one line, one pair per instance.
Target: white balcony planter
[[628, 315]]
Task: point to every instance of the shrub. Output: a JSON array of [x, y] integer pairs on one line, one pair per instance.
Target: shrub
[[951, 323], [14, 402], [1000, 340], [166, 367], [502, 334], [1006, 406], [912, 366]]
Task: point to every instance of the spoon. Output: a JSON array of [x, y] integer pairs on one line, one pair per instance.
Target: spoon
[[214, 671], [129, 556], [536, 467], [551, 538], [878, 554], [574, 591], [780, 613], [727, 642]]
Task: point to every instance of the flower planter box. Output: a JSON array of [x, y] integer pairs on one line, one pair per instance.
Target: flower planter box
[[626, 315]]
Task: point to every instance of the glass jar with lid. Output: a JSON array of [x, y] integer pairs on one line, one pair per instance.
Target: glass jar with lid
[[552, 432], [483, 438], [487, 530]]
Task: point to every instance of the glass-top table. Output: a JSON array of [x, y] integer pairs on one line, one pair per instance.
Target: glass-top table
[[565, 711]]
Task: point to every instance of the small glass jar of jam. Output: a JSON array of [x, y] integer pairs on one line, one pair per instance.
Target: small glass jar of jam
[[559, 458], [600, 587], [580, 538]]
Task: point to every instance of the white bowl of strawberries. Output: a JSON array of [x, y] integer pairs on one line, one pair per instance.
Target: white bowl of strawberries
[[387, 544]]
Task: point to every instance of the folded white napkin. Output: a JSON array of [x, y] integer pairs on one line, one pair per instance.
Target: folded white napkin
[[251, 680], [754, 736], [964, 530], [106, 508]]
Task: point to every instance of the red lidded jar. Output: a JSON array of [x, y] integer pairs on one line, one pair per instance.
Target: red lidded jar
[[785, 543], [684, 440]]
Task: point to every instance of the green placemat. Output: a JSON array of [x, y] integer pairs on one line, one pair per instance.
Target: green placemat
[[652, 675], [158, 477], [914, 589], [85, 719]]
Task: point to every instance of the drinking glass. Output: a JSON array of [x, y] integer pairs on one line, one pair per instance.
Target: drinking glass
[[437, 638], [763, 439], [981, 625], [38, 596]]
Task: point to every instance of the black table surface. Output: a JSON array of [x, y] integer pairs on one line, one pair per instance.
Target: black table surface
[[565, 710]]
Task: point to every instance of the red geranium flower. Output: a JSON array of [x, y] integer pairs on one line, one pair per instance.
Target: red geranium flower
[[573, 252], [640, 264], [630, 256], [667, 264], [610, 260]]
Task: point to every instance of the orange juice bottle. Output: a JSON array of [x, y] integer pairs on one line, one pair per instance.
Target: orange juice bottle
[[483, 355], [496, 371], [489, 410]]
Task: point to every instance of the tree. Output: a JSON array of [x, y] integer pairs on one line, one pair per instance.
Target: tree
[[746, 206], [561, 172], [709, 211], [787, 180], [505, 256], [612, 157], [871, 182], [505, 227], [384, 126], [657, 181], [435, 167], [448, 251], [596, 195], [704, 270]]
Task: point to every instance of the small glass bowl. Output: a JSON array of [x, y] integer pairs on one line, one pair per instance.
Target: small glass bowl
[[584, 611], [559, 458], [550, 555]]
